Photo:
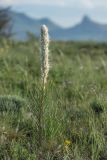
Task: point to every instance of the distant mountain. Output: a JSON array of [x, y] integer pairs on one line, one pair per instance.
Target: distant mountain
[[86, 30], [23, 24]]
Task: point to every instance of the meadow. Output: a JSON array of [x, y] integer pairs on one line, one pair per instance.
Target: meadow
[[75, 104]]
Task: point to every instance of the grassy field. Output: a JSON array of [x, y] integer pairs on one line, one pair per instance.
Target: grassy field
[[75, 104]]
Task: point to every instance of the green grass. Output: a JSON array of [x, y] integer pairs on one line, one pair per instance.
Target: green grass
[[75, 107]]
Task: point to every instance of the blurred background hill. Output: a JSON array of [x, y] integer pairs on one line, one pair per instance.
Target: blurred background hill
[[86, 30]]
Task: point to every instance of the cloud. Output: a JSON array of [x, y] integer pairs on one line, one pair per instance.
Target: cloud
[[98, 3], [48, 2], [64, 3], [35, 2], [79, 4], [6, 2], [87, 3]]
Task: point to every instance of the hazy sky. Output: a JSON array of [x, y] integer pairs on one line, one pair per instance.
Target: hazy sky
[[63, 12]]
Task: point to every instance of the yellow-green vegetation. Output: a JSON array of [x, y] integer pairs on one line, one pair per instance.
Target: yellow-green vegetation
[[75, 104]]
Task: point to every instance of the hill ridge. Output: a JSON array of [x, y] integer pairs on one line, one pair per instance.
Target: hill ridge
[[86, 30]]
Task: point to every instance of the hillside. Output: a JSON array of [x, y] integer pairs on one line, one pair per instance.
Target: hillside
[[86, 30], [23, 24]]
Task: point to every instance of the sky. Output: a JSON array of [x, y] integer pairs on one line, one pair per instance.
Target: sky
[[63, 12]]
